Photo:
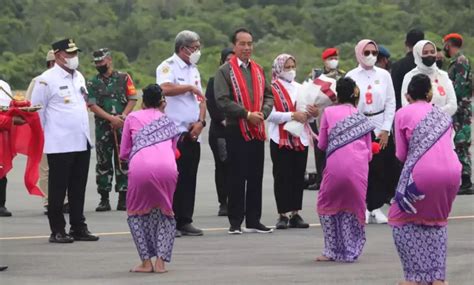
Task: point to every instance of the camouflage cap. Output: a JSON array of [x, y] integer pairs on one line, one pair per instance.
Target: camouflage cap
[[100, 54]]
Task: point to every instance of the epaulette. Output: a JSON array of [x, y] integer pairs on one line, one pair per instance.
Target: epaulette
[[43, 82], [170, 61]]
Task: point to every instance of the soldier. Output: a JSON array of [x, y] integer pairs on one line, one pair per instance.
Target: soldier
[[459, 71], [331, 69], [112, 97]]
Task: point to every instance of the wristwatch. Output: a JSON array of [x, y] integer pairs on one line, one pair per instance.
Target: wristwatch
[[203, 122]]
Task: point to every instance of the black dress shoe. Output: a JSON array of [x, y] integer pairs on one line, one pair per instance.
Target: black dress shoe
[[3, 267], [282, 223], [177, 234], [45, 210], [4, 212], [66, 208], [222, 210], [60, 238], [104, 206], [465, 191], [190, 230], [83, 235], [122, 202], [297, 222], [259, 228]]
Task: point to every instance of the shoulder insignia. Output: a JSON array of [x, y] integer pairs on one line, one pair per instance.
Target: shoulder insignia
[[170, 61], [43, 82], [165, 69]]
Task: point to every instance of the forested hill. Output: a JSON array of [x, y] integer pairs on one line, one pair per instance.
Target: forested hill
[[141, 32]]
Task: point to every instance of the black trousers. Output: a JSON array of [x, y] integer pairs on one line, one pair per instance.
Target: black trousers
[[67, 172], [219, 151], [288, 177], [185, 194], [246, 165], [3, 191], [384, 172], [319, 156]]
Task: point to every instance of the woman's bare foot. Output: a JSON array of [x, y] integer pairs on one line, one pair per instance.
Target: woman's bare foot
[[323, 258], [160, 266], [145, 267]]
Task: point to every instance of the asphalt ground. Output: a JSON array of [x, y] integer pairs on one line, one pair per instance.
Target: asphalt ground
[[283, 257]]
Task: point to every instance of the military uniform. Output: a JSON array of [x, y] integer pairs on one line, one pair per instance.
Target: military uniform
[[335, 73], [112, 95], [459, 72]]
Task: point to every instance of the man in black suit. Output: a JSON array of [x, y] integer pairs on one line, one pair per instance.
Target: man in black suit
[[404, 65]]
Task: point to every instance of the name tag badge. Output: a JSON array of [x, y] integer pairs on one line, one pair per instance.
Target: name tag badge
[[64, 91], [180, 79]]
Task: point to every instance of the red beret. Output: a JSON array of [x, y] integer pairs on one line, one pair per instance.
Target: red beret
[[329, 52], [452, 36]]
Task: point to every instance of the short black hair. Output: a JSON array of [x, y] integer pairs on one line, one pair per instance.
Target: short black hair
[[152, 96], [345, 90], [455, 42], [233, 39], [419, 87], [414, 36], [225, 53]]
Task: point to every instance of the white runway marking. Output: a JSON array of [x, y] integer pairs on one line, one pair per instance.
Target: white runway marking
[[206, 230]]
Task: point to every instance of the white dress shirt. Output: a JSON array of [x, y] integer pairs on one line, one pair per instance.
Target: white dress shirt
[[64, 114], [182, 109], [439, 80], [4, 99], [277, 118], [383, 96]]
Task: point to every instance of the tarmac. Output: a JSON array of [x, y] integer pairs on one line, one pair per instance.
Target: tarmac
[[282, 257]]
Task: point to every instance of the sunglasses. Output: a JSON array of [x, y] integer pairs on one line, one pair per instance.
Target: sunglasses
[[373, 52]]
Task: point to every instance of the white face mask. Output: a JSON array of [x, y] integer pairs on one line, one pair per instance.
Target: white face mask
[[288, 75], [333, 63], [370, 60], [72, 63], [195, 56]]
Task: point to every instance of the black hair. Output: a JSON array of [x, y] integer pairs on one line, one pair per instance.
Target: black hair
[[345, 90], [152, 96], [225, 53], [455, 42], [414, 36], [419, 87], [233, 39]]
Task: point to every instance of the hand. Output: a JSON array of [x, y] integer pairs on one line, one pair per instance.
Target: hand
[[383, 139], [198, 93], [224, 123], [301, 117], [116, 122], [18, 121], [255, 118], [195, 130], [312, 110]]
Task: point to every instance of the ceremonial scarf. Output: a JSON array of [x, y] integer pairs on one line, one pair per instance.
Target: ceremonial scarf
[[425, 135], [283, 103], [348, 130], [242, 97], [27, 139]]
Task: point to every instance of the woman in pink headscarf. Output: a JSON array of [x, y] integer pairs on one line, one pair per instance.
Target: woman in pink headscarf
[[289, 153], [377, 103]]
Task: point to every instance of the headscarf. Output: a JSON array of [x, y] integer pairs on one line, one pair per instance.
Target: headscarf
[[359, 51], [279, 64], [224, 53], [417, 54]]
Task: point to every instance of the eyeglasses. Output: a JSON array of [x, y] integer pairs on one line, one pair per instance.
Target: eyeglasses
[[373, 52], [193, 48]]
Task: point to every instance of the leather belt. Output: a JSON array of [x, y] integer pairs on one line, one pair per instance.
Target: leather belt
[[374, 114]]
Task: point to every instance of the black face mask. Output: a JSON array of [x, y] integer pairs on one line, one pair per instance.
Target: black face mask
[[429, 60], [102, 69], [439, 63]]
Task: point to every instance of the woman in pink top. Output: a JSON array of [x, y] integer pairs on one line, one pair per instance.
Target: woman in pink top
[[345, 135], [427, 187], [149, 145]]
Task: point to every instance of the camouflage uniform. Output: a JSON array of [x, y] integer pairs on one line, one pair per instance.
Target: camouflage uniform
[[112, 95], [336, 73], [459, 71]]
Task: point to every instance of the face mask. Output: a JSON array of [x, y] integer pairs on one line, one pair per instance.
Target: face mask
[[102, 69], [439, 63], [428, 61], [446, 51], [370, 60], [288, 75], [194, 57], [72, 63], [332, 64]]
